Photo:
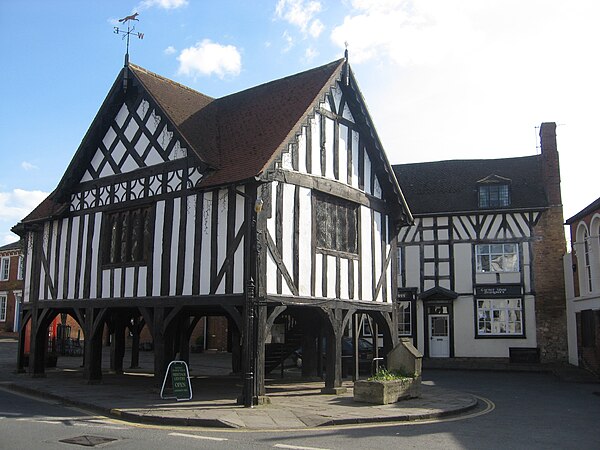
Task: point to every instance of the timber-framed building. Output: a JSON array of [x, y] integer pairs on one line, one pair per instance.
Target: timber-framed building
[[480, 268], [275, 207]]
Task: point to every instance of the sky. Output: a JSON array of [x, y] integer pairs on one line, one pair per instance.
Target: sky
[[464, 79]]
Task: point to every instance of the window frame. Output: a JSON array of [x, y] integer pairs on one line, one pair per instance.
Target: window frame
[[3, 306], [520, 310], [5, 268], [113, 247], [332, 206], [484, 192], [490, 252]]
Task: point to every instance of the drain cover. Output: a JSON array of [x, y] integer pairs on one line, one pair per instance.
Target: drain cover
[[88, 441]]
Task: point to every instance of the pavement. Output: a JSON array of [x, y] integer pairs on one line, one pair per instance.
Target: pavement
[[294, 403]]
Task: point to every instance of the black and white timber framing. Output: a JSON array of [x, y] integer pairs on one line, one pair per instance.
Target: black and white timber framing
[[140, 173]]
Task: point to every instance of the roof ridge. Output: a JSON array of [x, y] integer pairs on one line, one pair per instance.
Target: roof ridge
[[278, 80], [466, 160], [168, 80]]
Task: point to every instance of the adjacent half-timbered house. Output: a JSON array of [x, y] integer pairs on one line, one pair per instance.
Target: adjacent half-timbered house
[[275, 207], [480, 268]]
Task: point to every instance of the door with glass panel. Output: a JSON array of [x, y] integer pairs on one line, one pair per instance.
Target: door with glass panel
[[439, 335]]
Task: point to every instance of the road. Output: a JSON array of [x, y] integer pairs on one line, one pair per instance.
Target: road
[[522, 411]]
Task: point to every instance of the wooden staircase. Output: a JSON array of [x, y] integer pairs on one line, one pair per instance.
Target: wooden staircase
[[276, 353]]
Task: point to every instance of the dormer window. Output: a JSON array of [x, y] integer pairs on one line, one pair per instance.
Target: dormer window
[[493, 192]]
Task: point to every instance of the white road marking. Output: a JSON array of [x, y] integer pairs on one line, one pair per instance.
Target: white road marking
[[297, 447], [3, 413], [195, 436]]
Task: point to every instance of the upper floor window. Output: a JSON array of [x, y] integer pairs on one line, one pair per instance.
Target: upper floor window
[[127, 236], [494, 195], [4, 268], [497, 257], [336, 224]]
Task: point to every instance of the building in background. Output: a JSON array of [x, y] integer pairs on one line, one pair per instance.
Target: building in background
[[582, 279], [480, 269], [11, 287]]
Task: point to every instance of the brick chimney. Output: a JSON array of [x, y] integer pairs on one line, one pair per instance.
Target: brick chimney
[[548, 249], [550, 164]]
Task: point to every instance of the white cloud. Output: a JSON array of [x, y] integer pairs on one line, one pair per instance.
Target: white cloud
[[289, 42], [28, 166], [301, 13], [169, 50], [164, 4], [207, 58], [15, 206], [406, 32], [310, 54]]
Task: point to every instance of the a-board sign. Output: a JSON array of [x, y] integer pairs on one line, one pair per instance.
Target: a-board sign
[[181, 387]]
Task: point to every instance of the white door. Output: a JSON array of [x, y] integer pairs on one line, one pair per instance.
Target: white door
[[439, 336]]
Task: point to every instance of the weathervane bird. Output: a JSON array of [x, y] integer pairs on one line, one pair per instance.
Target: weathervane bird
[[131, 17]]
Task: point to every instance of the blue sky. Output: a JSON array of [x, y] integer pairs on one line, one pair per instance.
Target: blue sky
[[443, 80]]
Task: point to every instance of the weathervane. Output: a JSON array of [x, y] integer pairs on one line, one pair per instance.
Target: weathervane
[[130, 31]]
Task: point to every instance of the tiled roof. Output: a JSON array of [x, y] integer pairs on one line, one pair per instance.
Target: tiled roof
[[240, 134], [451, 186], [11, 246]]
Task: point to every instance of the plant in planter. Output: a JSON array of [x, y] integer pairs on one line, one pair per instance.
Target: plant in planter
[[387, 387], [402, 381]]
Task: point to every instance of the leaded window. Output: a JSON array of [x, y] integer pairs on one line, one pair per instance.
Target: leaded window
[[494, 195], [127, 236], [499, 317], [336, 224], [497, 257]]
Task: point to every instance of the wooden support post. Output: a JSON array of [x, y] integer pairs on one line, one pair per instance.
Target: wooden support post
[[160, 360], [136, 328], [261, 337], [92, 348], [37, 345]]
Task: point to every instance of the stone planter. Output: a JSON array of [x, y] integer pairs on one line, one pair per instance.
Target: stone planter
[[384, 392]]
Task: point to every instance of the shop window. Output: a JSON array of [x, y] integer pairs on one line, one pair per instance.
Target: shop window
[[127, 237], [336, 224], [499, 317], [497, 257]]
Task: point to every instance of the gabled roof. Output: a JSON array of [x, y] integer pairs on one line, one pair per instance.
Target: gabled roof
[[236, 137], [451, 186], [592, 207], [239, 135]]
